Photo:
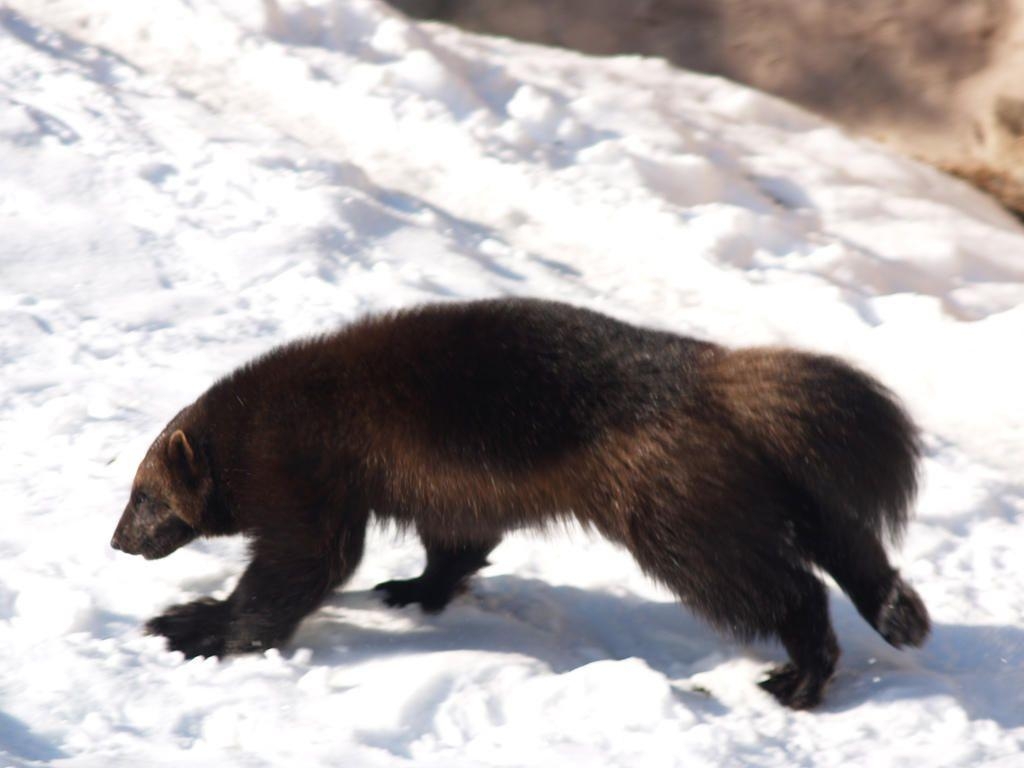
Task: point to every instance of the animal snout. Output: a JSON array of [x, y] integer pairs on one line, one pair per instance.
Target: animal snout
[[124, 540]]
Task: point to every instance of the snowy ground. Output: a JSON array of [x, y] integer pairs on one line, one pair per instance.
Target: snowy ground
[[184, 186]]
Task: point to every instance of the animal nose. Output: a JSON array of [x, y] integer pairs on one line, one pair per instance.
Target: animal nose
[[116, 544]]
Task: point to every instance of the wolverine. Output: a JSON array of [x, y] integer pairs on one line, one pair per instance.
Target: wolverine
[[732, 476]]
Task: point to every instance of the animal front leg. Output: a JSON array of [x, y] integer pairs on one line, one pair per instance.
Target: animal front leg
[[278, 589], [270, 601], [263, 611], [195, 629], [281, 587], [449, 566]]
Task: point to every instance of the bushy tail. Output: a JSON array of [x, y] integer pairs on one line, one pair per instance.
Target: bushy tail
[[834, 431], [841, 438]]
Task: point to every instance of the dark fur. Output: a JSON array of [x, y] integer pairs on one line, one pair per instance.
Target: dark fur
[[729, 475]]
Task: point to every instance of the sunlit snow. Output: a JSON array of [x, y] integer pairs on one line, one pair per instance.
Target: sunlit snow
[[185, 184]]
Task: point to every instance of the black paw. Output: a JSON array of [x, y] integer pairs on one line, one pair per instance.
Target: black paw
[[195, 629], [407, 591], [795, 688], [903, 619]]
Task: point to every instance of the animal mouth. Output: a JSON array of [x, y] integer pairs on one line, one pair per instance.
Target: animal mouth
[[158, 545]]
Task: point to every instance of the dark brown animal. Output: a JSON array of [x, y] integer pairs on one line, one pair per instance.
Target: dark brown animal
[[729, 474]]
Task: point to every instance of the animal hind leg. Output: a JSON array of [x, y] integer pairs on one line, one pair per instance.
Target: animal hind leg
[[857, 561], [449, 567], [749, 583], [806, 633]]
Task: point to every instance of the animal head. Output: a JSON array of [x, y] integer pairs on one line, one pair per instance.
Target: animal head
[[170, 494]]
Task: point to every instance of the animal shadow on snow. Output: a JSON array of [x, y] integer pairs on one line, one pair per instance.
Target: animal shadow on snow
[[565, 627], [18, 740]]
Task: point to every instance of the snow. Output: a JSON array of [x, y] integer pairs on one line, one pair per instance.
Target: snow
[[186, 184]]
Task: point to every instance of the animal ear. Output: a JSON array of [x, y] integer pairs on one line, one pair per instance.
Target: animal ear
[[182, 457]]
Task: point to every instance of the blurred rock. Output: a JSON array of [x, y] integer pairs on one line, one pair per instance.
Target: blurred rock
[[941, 80]]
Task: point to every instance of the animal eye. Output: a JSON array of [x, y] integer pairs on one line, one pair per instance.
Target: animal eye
[[141, 497]]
